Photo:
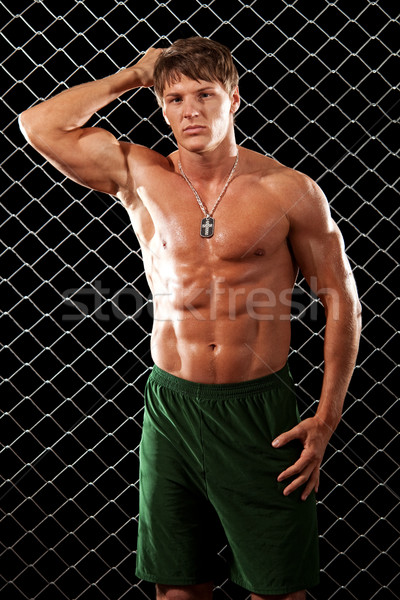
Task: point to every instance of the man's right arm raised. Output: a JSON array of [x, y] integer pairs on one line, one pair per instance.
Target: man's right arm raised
[[90, 156]]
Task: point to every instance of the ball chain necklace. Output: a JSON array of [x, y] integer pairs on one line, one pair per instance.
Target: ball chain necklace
[[208, 223]]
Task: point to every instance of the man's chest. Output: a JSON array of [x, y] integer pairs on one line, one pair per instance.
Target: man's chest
[[244, 223]]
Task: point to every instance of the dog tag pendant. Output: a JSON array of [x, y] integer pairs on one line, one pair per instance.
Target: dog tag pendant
[[207, 227]]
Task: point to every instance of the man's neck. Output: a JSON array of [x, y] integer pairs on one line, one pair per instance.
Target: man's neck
[[209, 166]]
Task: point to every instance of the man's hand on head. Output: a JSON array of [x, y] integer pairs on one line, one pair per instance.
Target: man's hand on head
[[145, 66]]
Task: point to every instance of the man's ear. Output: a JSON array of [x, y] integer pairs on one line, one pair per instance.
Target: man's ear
[[235, 100], [165, 117]]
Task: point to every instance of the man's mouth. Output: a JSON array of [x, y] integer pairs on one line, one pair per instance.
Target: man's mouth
[[194, 129]]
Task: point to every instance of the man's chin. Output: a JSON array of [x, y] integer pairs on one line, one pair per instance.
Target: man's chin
[[197, 146]]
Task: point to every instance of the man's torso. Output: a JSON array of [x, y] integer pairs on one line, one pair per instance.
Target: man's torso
[[221, 304]]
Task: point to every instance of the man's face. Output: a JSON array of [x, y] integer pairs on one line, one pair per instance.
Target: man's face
[[200, 113]]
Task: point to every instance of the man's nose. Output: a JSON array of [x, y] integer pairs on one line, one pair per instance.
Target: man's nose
[[190, 109]]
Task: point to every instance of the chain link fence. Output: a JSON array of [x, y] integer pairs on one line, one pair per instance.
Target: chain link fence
[[319, 93]]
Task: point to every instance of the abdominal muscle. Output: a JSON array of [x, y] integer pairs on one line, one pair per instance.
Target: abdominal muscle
[[220, 332]]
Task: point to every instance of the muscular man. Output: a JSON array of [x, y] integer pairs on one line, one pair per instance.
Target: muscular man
[[224, 232]]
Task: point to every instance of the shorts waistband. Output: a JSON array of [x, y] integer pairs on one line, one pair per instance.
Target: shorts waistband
[[209, 390]]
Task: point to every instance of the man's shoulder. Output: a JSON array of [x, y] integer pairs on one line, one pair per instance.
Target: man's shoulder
[[142, 156], [296, 194], [275, 175]]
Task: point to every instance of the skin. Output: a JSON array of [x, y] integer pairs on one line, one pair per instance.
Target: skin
[[222, 305]]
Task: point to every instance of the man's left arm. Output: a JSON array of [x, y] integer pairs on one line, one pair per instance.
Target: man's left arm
[[318, 249]]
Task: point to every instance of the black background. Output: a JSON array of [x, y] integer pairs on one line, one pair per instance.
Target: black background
[[318, 86]]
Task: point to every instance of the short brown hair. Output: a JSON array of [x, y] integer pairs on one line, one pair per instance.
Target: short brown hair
[[197, 58]]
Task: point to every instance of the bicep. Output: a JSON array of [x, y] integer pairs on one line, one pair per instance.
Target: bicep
[[318, 247], [92, 157]]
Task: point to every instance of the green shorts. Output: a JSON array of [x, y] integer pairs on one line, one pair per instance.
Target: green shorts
[[207, 468]]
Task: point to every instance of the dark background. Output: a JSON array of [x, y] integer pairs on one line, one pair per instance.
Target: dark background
[[318, 86]]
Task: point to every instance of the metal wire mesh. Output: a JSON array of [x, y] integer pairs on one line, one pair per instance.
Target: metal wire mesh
[[318, 86]]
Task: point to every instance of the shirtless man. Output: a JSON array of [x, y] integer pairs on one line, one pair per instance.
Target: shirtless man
[[224, 232]]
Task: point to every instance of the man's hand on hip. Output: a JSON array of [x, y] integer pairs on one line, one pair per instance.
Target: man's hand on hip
[[314, 435]]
